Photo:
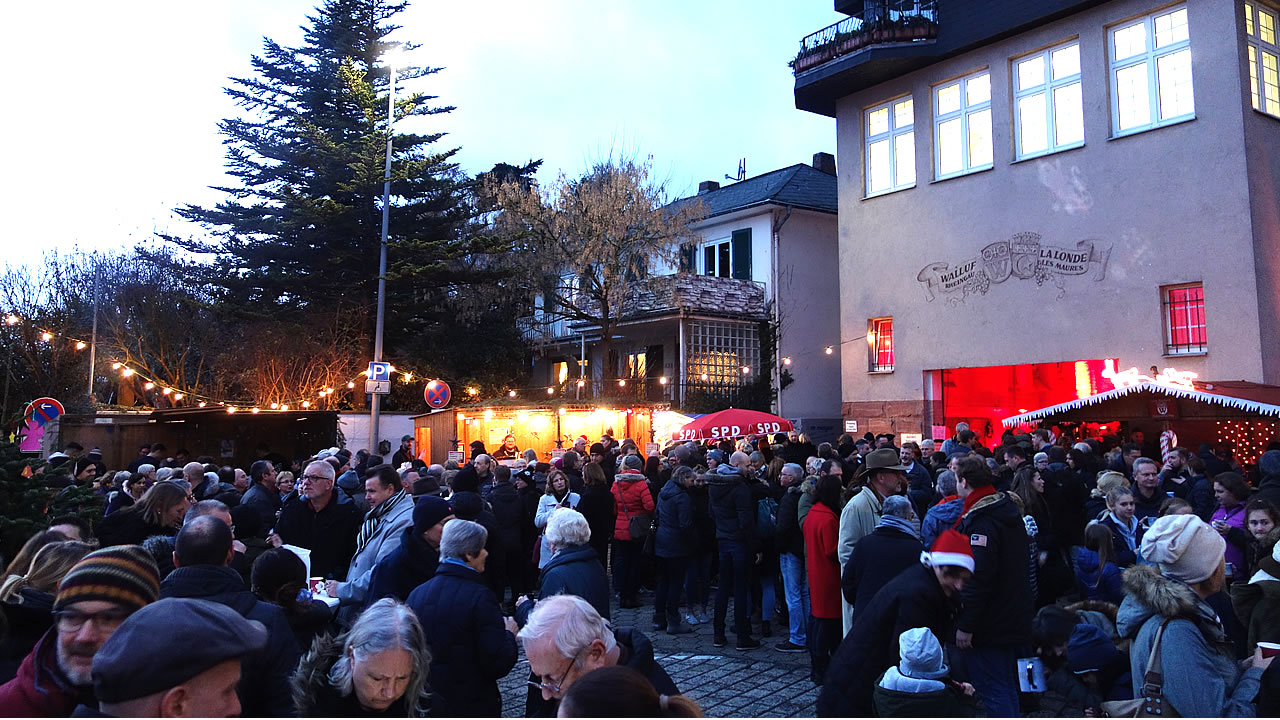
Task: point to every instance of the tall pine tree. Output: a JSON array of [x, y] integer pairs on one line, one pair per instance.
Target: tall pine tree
[[297, 239]]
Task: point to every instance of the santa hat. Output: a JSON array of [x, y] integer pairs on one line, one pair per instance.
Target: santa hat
[[951, 548]]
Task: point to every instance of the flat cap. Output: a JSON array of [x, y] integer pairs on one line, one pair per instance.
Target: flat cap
[[169, 642]]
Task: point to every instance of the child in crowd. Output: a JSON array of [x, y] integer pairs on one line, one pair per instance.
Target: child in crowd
[[920, 685]]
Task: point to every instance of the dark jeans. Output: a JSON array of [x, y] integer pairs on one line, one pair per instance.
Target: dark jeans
[[993, 672], [697, 583], [735, 576], [824, 637], [626, 567], [666, 604]]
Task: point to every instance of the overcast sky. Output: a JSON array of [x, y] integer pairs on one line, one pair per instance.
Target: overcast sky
[[112, 108]]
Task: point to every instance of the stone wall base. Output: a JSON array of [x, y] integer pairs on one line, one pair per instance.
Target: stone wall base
[[886, 416]]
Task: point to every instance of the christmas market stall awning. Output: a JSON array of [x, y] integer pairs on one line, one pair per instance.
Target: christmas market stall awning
[[1154, 399], [732, 423]]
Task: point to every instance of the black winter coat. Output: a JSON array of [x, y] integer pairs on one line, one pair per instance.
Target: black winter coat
[[410, 564], [789, 537], [998, 602], [574, 570], [732, 508], [508, 511], [127, 527], [875, 561], [912, 599], [265, 674], [597, 505], [27, 619], [675, 523], [330, 534], [470, 648], [1066, 496]]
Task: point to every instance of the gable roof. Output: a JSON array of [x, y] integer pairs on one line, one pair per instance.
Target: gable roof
[[1243, 405], [799, 186]]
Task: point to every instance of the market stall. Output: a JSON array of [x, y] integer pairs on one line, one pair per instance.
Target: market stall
[[1242, 416]]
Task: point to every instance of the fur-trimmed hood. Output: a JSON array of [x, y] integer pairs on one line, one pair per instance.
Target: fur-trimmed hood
[[1148, 593]]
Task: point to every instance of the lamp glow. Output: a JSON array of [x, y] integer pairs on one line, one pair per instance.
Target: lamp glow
[[80, 345], [46, 336], [148, 385], [127, 372]]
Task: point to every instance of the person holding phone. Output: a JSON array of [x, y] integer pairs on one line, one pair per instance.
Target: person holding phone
[[557, 495]]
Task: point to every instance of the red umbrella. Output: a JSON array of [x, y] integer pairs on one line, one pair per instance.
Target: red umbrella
[[731, 423]]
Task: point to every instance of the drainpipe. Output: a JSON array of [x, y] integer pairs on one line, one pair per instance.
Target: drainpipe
[[680, 374], [776, 370]]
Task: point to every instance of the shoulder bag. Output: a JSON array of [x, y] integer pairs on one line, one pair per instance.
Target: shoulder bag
[[1152, 702]]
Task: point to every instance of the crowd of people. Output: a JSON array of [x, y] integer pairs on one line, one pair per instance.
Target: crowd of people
[[960, 580]]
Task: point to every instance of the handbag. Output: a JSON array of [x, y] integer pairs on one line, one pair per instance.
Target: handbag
[[637, 525], [1152, 702], [651, 538]]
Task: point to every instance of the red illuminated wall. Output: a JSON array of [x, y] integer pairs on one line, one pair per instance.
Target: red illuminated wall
[[984, 396]]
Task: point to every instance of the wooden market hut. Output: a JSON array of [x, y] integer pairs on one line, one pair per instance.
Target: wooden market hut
[[1243, 415], [542, 426]]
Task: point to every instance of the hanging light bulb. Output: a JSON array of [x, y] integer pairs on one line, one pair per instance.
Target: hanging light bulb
[[254, 411], [582, 383], [148, 385], [473, 392], [284, 408], [560, 411], [511, 394], [231, 409], [11, 319], [662, 380], [306, 404], [829, 349], [275, 405], [201, 403], [80, 345], [166, 391], [177, 396], [127, 372], [622, 383], [786, 360], [551, 391], [115, 366], [351, 386], [408, 377], [46, 336], [746, 370]]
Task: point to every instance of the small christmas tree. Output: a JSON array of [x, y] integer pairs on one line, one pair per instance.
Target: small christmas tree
[[24, 499]]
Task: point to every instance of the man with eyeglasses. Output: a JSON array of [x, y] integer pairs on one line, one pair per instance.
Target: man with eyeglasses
[[94, 598], [565, 638], [315, 520]]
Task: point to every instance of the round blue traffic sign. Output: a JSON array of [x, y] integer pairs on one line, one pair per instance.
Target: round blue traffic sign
[[437, 394]]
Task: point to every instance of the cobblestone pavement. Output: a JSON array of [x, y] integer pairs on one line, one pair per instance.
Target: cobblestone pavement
[[726, 682]]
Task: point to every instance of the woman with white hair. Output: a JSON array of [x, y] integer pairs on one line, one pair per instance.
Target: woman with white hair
[[475, 646], [377, 669], [575, 568]]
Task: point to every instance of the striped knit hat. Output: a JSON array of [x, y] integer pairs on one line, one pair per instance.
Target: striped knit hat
[[123, 574]]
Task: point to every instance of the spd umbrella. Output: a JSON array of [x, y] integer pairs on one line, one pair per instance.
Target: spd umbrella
[[731, 423]]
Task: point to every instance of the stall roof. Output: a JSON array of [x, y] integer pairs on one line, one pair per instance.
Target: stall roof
[[1211, 398], [508, 404]]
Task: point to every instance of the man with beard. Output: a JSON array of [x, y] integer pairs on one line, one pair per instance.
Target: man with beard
[[94, 598]]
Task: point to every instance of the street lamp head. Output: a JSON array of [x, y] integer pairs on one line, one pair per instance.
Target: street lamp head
[[396, 57]]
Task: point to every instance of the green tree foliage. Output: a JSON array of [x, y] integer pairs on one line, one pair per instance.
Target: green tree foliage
[[27, 504]]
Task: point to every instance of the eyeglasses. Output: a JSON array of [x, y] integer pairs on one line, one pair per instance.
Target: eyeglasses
[[555, 688], [313, 478], [73, 620]]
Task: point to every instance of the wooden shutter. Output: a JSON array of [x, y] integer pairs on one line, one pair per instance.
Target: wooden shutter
[[688, 257], [741, 245]]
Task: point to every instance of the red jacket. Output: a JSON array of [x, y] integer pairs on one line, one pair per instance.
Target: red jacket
[[632, 495], [821, 540], [40, 689]]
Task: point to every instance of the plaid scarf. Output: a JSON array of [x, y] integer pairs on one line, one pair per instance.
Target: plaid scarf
[[374, 519]]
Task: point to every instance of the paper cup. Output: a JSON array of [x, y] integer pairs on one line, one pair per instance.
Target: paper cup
[[1269, 649], [316, 584]]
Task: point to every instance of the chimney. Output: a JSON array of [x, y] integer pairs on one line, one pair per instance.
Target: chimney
[[707, 186], [825, 162]]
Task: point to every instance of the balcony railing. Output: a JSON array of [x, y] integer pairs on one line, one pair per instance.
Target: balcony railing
[[891, 22]]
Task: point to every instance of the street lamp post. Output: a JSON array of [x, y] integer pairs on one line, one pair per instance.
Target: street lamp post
[[375, 406]]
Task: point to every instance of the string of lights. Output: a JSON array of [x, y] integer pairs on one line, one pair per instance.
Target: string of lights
[[302, 400]]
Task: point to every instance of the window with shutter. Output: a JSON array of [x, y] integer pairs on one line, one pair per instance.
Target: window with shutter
[[741, 254]]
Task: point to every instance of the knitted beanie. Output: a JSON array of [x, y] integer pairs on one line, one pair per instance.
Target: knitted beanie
[[1184, 547], [123, 574]]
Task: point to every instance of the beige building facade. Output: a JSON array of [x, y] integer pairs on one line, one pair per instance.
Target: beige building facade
[[1094, 185]]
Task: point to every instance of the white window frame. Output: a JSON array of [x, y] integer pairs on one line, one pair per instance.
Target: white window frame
[[891, 136], [964, 113], [1151, 57], [1264, 98], [702, 257], [1048, 88]]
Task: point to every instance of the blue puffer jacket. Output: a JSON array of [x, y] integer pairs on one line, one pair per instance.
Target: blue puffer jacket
[[1201, 675], [1109, 589], [470, 648], [675, 522], [939, 518]]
